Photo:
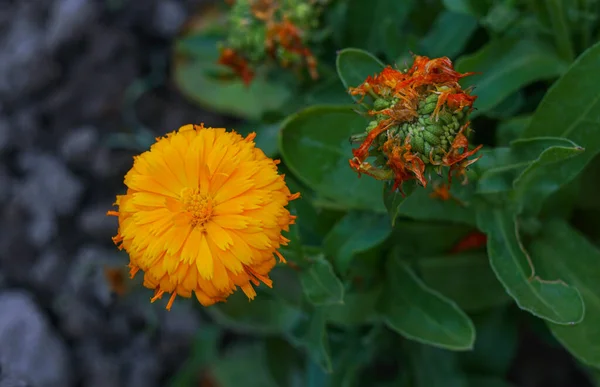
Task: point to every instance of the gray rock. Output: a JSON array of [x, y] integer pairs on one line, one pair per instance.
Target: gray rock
[[69, 20], [99, 368], [29, 349], [5, 184], [26, 66], [49, 271], [94, 222], [49, 189], [11, 381], [79, 145], [142, 364], [4, 134], [169, 16], [78, 319]]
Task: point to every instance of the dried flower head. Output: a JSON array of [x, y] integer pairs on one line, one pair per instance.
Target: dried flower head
[[262, 30], [203, 213], [419, 123]]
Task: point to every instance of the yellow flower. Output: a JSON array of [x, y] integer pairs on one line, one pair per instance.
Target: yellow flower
[[203, 213]]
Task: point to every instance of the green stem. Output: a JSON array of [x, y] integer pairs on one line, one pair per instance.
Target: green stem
[[586, 26], [561, 30]]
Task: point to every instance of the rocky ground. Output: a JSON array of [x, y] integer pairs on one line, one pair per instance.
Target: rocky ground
[[66, 68]]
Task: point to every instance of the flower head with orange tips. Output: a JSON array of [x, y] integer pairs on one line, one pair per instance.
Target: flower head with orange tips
[[203, 214], [420, 123], [270, 30]]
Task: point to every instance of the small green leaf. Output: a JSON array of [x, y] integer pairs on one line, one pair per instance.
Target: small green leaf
[[422, 206], [262, 315], [475, 8], [371, 35], [356, 232], [354, 66], [320, 283], [496, 345], [315, 146], [511, 129], [243, 362], [487, 381], [570, 110], [523, 157], [449, 34], [506, 66], [552, 300], [422, 314], [394, 199], [434, 367], [465, 278], [311, 335], [266, 136], [358, 308], [562, 252]]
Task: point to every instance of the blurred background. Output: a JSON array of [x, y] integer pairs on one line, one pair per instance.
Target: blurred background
[[80, 82]]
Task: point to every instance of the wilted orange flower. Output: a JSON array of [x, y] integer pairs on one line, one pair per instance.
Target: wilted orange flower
[[203, 213], [420, 121], [471, 241]]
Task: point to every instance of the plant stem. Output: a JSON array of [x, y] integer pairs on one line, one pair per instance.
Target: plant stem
[[561, 30]]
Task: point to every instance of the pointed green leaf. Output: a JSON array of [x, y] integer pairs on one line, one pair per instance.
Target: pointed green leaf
[[505, 66], [434, 367], [562, 252], [550, 299], [449, 34], [320, 283], [358, 308], [315, 146], [261, 316], [422, 314], [356, 232], [515, 169], [311, 335], [355, 65], [243, 362], [570, 110], [465, 278]]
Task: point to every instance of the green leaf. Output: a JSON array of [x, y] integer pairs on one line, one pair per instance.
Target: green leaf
[[243, 362], [449, 34], [394, 199], [371, 34], [465, 278], [320, 283], [476, 8], [266, 136], [354, 66], [358, 308], [315, 146], [204, 351], [311, 335], [570, 110], [552, 300], [421, 239], [434, 367], [262, 316], [496, 345], [420, 205], [487, 381], [284, 363], [506, 66], [562, 252], [513, 169], [511, 129], [356, 232], [228, 96], [422, 314]]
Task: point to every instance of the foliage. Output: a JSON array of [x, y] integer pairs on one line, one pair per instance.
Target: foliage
[[376, 291]]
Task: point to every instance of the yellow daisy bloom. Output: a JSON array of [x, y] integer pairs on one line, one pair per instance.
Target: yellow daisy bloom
[[203, 213]]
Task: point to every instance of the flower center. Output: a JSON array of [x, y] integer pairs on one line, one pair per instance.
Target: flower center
[[198, 205]]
